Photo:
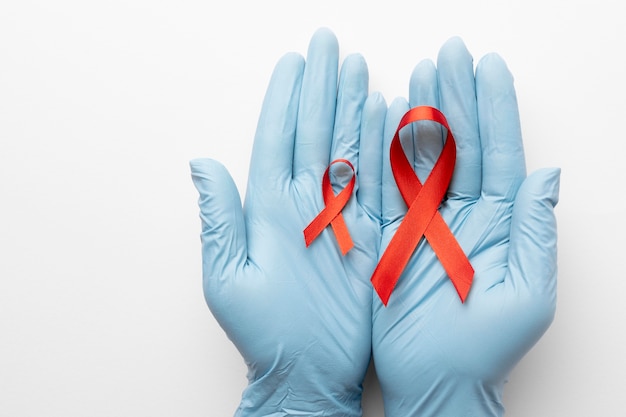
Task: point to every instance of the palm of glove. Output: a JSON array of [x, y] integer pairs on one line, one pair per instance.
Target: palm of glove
[[309, 306], [434, 355], [301, 317]]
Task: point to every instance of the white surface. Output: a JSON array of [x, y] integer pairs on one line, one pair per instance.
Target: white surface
[[102, 104]]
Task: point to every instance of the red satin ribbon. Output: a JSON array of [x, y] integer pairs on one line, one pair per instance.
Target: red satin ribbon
[[422, 217], [331, 214]]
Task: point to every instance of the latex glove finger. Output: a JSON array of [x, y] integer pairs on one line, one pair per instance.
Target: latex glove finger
[[223, 229], [272, 153], [351, 95], [458, 104], [500, 133], [369, 182], [393, 205], [316, 113], [533, 248], [428, 136]]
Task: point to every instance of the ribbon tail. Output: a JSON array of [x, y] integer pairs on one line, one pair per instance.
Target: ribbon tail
[[342, 234], [394, 260], [313, 230], [451, 255]]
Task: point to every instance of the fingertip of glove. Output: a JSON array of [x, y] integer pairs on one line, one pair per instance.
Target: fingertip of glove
[[546, 182], [553, 184], [204, 168], [294, 59], [325, 37], [197, 164], [398, 107], [375, 101], [374, 111], [355, 58], [324, 31], [452, 50], [398, 104], [455, 40], [210, 177], [425, 70], [356, 63], [493, 67]]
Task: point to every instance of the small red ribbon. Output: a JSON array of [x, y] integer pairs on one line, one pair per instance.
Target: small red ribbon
[[422, 217], [331, 214]]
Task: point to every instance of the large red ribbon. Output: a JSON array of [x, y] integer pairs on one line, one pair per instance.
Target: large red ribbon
[[331, 214], [422, 217]]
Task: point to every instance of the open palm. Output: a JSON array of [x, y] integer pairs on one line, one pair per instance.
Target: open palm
[[301, 317], [434, 355]]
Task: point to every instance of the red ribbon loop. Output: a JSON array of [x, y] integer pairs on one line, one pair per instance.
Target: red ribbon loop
[[331, 214], [422, 217]]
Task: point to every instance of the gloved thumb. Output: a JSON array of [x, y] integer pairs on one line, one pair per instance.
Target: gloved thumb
[[223, 228], [533, 245]]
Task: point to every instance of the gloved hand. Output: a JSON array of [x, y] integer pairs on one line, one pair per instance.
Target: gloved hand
[[434, 355], [300, 317]]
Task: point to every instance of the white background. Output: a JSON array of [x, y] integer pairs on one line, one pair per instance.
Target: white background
[[102, 104]]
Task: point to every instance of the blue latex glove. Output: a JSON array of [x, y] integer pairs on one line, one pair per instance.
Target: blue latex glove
[[300, 317], [434, 355]]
